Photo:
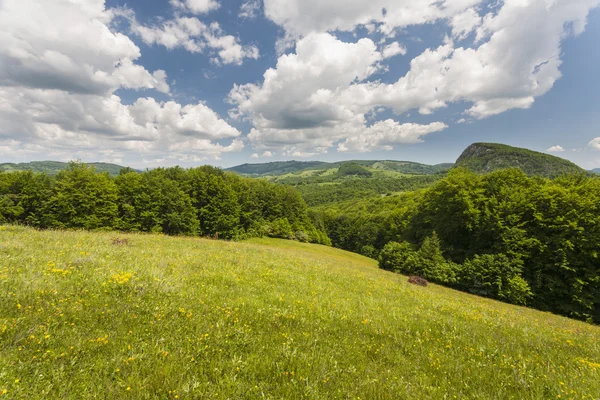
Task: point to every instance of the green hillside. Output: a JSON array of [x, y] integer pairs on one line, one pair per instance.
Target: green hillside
[[54, 167], [324, 183], [85, 316], [304, 168], [488, 157], [276, 168]]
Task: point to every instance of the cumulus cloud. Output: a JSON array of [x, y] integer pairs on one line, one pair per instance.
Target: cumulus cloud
[[66, 45], [196, 6], [194, 36], [385, 134], [555, 149], [302, 17], [595, 144], [305, 105], [60, 66]]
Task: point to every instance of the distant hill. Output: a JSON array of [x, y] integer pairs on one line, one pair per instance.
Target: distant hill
[[292, 167], [488, 157], [54, 167], [596, 171], [277, 167]]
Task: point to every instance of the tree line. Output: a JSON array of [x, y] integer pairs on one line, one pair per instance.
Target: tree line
[[198, 201], [504, 235]]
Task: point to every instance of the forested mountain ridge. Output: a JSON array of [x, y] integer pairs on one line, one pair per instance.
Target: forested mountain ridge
[[52, 168], [489, 157], [279, 168]]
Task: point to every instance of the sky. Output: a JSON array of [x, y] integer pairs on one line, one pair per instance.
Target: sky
[[149, 83]]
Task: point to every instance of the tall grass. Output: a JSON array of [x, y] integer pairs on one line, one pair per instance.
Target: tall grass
[[156, 317]]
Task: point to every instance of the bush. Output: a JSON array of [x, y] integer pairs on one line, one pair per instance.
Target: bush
[[398, 257], [280, 228], [369, 251], [496, 276]]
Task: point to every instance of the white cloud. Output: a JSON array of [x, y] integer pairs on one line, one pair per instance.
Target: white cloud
[[196, 6], [250, 9], [595, 144], [263, 155], [555, 149], [464, 23], [385, 134], [66, 45], [303, 106], [393, 49], [302, 17], [60, 66], [195, 36]]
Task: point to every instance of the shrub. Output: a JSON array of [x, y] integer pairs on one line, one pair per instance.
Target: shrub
[[496, 276], [398, 257], [369, 251]]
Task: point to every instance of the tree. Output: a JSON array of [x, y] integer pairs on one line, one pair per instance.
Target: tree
[[81, 198]]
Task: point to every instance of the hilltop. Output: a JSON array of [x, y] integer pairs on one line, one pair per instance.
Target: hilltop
[[149, 316], [489, 157], [54, 167]]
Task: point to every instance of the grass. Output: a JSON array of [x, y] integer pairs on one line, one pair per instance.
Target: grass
[[162, 318]]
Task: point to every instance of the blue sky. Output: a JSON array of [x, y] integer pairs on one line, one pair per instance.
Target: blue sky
[[190, 82]]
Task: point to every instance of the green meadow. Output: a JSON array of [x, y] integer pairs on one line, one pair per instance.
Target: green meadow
[[84, 315]]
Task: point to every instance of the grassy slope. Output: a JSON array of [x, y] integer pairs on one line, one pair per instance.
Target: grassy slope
[[171, 317]]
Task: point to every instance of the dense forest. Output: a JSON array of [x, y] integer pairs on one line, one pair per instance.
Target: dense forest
[[199, 201], [526, 240]]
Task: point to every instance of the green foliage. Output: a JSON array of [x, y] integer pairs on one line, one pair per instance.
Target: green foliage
[[496, 276], [359, 188], [353, 169], [432, 264], [552, 226], [399, 257], [22, 195], [81, 198], [174, 201], [488, 157]]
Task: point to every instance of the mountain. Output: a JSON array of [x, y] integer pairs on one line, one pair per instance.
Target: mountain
[[295, 167], [595, 171], [54, 167], [488, 157]]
